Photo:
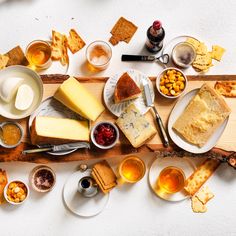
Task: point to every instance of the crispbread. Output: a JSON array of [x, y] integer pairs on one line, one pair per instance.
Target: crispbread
[[204, 194], [217, 52], [200, 176], [202, 116], [74, 41], [57, 40], [194, 42], [3, 61], [3, 183], [198, 206], [16, 57], [105, 187], [226, 88], [64, 58]]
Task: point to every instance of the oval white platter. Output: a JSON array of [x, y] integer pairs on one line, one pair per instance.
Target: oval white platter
[[140, 102], [178, 140]]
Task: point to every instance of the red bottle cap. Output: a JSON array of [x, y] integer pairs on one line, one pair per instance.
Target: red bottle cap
[[156, 25]]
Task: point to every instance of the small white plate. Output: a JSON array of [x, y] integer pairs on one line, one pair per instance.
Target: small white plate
[[140, 102], [53, 108], [30, 78], [77, 203], [178, 140], [159, 164]]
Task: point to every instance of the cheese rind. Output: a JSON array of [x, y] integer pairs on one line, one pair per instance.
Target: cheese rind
[[75, 96], [53, 130], [135, 126]]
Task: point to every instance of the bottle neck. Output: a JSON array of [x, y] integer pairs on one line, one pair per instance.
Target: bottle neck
[[154, 32]]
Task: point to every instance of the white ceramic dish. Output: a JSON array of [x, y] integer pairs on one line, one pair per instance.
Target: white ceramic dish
[[53, 108], [30, 78], [178, 140], [159, 78], [159, 164], [77, 203], [140, 102], [15, 203], [93, 138]]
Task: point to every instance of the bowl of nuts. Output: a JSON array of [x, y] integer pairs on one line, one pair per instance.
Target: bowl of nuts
[[16, 192], [171, 82]]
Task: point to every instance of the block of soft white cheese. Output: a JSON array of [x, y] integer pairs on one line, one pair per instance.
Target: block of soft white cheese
[[8, 88], [24, 97], [53, 130], [75, 96]]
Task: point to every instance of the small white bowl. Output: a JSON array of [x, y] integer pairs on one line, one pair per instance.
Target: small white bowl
[[93, 138], [159, 78], [5, 193]]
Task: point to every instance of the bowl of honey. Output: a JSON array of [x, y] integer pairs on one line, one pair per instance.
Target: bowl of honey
[[11, 134]]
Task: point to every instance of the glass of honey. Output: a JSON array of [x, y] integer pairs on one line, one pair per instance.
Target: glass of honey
[[98, 54], [38, 53], [131, 170], [171, 180]]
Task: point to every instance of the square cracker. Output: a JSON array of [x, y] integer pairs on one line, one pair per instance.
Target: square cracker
[[202, 49], [105, 186], [198, 206], [3, 61], [217, 52], [123, 30], [16, 57], [202, 62], [74, 41], [204, 194], [194, 42], [200, 176]]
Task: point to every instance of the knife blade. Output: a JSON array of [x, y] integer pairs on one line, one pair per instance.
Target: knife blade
[[57, 148], [150, 104]]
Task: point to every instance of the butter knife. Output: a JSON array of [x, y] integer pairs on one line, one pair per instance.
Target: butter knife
[[150, 104], [57, 148]]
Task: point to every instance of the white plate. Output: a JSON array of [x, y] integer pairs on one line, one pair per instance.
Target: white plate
[[178, 140], [140, 102], [159, 164], [30, 78], [169, 47], [77, 203], [53, 108]]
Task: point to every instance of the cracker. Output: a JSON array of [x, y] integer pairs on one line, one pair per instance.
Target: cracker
[[194, 42], [64, 58], [217, 52], [16, 57], [3, 61], [74, 41], [198, 206], [202, 62], [226, 88], [123, 30], [204, 194], [3, 183], [105, 186], [200, 176], [57, 40], [201, 49]]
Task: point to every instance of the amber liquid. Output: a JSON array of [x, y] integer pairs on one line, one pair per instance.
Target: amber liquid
[[132, 169], [171, 180], [38, 54]]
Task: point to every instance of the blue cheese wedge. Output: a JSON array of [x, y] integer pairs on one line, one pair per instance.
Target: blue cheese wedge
[[135, 126]]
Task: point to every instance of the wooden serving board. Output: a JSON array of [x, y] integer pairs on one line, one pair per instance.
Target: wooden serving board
[[225, 146]]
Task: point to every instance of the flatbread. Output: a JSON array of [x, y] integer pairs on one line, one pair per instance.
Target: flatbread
[[16, 57], [200, 176], [3, 61], [74, 41], [226, 88], [204, 194]]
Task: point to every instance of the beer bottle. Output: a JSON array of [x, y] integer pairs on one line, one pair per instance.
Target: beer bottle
[[155, 37]]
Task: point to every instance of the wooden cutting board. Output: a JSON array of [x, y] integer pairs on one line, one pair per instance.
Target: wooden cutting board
[[225, 146]]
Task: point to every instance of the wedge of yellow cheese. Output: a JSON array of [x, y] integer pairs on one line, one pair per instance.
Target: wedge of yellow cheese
[[75, 96], [52, 130]]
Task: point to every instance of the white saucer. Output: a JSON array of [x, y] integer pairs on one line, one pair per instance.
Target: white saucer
[[77, 203], [159, 164]]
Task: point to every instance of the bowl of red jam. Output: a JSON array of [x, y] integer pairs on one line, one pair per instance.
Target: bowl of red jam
[[104, 135]]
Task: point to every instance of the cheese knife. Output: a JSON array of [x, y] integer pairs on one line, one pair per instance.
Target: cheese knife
[[58, 148], [150, 104]]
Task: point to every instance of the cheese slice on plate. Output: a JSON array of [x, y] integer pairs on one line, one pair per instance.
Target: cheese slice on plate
[[75, 96], [53, 130], [135, 126], [202, 116]]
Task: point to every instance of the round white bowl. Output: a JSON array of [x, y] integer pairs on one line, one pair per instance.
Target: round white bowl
[[93, 138], [159, 78], [15, 203]]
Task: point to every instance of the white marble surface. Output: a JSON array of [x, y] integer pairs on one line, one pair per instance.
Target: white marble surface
[[132, 210]]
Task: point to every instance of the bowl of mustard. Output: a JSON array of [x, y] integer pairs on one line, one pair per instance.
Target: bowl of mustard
[[11, 134]]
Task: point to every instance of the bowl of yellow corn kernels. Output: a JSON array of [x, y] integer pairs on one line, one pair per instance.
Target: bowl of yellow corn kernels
[[16, 192], [171, 82]]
